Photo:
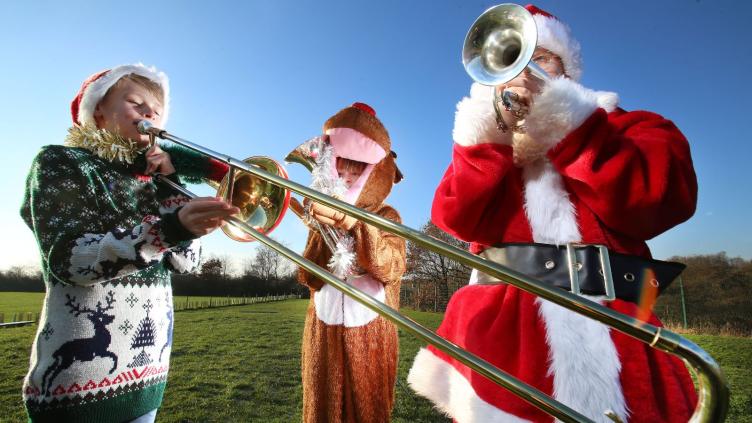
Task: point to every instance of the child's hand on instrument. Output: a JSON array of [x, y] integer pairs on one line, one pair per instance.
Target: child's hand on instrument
[[158, 161], [202, 215], [331, 217], [297, 208]]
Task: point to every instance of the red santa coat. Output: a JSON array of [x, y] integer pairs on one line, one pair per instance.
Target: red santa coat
[[608, 177]]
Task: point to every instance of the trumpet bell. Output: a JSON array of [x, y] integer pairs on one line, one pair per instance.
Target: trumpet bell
[[262, 204], [499, 44]]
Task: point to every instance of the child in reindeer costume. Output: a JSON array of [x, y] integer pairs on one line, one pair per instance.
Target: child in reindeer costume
[[581, 172], [349, 352]]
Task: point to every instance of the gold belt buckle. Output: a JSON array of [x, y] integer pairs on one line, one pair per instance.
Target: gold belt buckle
[[574, 277]]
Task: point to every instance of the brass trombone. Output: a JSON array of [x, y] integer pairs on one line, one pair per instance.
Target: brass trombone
[[713, 391]]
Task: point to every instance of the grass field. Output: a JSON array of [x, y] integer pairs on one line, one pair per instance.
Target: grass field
[[243, 364], [24, 302], [17, 302]]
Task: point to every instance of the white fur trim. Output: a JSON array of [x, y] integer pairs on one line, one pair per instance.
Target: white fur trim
[[335, 308], [475, 119], [551, 215], [607, 100], [584, 363], [440, 382], [561, 107], [555, 36], [97, 90]]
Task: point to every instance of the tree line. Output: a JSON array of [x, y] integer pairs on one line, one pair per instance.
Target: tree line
[[267, 273], [713, 294]]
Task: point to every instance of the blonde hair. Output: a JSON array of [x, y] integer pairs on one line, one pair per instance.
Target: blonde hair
[[152, 87], [351, 165]]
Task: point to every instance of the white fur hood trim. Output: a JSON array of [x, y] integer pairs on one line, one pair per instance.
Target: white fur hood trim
[[562, 107], [556, 37]]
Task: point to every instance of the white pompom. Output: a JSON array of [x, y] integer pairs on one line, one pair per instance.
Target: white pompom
[[343, 257]]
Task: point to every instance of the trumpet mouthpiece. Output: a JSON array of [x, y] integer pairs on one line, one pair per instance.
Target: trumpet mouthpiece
[[144, 127]]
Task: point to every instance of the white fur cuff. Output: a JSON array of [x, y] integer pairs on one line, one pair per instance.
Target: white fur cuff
[[562, 107], [475, 120]]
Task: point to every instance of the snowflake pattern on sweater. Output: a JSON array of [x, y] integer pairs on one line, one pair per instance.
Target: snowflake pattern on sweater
[[108, 241]]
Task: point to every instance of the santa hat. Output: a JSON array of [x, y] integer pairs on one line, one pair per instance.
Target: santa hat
[[96, 86], [556, 37]]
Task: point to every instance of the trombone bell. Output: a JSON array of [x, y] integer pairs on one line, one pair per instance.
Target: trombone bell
[[262, 204]]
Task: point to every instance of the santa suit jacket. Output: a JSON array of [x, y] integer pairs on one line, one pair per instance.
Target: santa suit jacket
[[608, 177]]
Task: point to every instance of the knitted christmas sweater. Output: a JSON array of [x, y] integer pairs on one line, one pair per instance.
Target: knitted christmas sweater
[[108, 240]]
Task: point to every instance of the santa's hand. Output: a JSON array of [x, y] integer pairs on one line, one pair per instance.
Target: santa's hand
[[516, 98], [331, 217], [158, 161]]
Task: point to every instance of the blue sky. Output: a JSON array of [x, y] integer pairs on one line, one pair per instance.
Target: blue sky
[[258, 78]]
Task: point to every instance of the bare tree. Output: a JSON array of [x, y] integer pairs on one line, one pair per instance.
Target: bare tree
[[429, 271], [21, 272], [270, 265], [249, 266]]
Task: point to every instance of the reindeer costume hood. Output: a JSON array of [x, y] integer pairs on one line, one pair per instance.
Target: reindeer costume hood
[[356, 133], [349, 363]]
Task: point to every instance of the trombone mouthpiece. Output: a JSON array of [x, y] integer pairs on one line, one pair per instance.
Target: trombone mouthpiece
[[145, 127]]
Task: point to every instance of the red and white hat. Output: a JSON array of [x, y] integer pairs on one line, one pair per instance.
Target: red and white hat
[[96, 86], [556, 37]]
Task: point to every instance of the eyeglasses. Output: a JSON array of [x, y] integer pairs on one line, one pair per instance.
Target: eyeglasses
[[545, 58], [550, 62]]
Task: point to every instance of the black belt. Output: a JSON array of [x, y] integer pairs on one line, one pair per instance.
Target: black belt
[[551, 264]]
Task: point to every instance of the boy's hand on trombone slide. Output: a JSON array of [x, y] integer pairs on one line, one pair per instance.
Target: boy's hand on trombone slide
[[202, 215]]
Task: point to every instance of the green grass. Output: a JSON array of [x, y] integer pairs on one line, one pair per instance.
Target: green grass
[[243, 364], [17, 302], [734, 354], [24, 302]]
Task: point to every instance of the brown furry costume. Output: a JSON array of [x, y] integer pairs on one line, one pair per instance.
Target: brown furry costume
[[350, 367]]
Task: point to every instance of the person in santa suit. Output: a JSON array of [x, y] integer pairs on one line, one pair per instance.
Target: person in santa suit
[[562, 165]]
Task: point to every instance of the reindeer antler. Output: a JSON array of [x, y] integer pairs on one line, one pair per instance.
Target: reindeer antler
[[110, 300], [76, 308]]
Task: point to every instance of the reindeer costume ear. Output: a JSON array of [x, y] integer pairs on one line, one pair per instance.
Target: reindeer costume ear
[[398, 176]]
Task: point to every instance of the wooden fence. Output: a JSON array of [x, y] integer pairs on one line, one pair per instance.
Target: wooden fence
[[187, 303], [192, 304]]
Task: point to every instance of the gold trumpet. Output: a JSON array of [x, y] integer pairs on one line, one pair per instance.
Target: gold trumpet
[[713, 391]]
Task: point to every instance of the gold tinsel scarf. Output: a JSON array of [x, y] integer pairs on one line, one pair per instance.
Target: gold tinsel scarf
[[103, 143]]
